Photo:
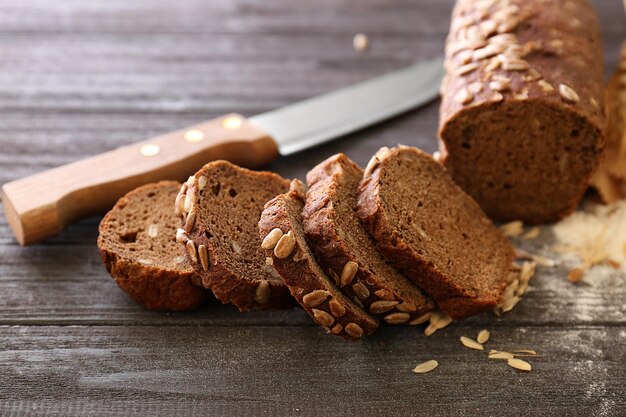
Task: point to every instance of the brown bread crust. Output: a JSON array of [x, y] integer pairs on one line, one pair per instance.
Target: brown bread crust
[[224, 203], [336, 236], [334, 311], [521, 115], [149, 269], [442, 240]]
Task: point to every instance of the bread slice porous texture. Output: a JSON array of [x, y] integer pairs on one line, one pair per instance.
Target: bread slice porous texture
[[437, 235], [220, 208], [345, 250], [283, 238], [137, 242]]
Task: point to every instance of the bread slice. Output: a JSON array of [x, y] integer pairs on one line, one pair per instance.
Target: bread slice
[[283, 238], [138, 247], [426, 226], [220, 206], [340, 244]]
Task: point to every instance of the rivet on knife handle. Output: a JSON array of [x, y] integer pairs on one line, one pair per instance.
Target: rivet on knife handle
[[40, 206]]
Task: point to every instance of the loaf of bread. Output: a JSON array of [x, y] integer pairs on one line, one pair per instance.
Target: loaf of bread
[[427, 227], [521, 118], [610, 178], [139, 250], [220, 207], [345, 250], [282, 237]]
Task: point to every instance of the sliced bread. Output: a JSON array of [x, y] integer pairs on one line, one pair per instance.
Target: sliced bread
[[345, 250], [284, 242], [220, 207], [437, 235], [138, 247]]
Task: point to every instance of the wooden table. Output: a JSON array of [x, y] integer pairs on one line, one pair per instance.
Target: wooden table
[[81, 77]]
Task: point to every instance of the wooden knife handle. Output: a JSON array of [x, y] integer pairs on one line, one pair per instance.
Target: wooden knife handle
[[40, 206]]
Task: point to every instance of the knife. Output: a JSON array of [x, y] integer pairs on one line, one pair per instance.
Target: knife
[[40, 206]]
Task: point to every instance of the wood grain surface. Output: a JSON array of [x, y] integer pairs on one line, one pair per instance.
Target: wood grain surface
[[80, 77]]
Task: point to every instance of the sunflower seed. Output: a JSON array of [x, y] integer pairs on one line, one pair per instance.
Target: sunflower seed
[[471, 343], [190, 220], [204, 257], [354, 330], [384, 295], [406, 307], [483, 336], [348, 273], [430, 329], [510, 64], [510, 303], [488, 51], [191, 250], [427, 366], [202, 180], [315, 298], [336, 308], [545, 86], [262, 292], [528, 351], [180, 203], [519, 364], [440, 319], [474, 88], [463, 96], [361, 290], [181, 236], [532, 233], [568, 93], [397, 318], [500, 355], [322, 317], [188, 202], [421, 319], [285, 246], [512, 229], [272, 238], [337, 328], [464, 57], [378, 307], [466, 69]]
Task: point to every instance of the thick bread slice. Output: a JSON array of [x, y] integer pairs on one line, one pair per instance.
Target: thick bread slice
[[345, 250], [426, 226], [138, 247], [220, 206], [283, 238]]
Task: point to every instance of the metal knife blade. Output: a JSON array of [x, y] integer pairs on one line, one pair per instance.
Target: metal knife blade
[[319, 119]]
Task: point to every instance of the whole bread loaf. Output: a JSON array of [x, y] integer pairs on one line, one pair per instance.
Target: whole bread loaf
[[138, 247], [521, 118]]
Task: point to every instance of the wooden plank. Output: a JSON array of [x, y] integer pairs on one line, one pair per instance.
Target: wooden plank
[[259, 370]]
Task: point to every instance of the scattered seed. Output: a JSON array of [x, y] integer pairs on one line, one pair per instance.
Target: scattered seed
[[382, 306], [262, 292], [397, 318], [322, 317], [361, 290], [528, 351], [204, 257], [568, 93], [191, 250], [510, 303], [354, 330], [427, 366], [483, 336], [430, 329], [512, 229], [421, 319], [440, 319], [348, 273], [360, 42], [315, 298], [285, 246], [471, 343], [336, 308], [532, 233], [519, 364], [500, 355]]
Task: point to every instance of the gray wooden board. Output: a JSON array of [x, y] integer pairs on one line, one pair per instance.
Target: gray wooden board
[[82, 77]]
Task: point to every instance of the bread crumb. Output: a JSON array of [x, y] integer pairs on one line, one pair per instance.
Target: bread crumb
[[360, 42]]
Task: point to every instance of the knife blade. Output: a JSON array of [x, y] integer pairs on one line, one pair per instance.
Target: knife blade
[[41, 205]]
